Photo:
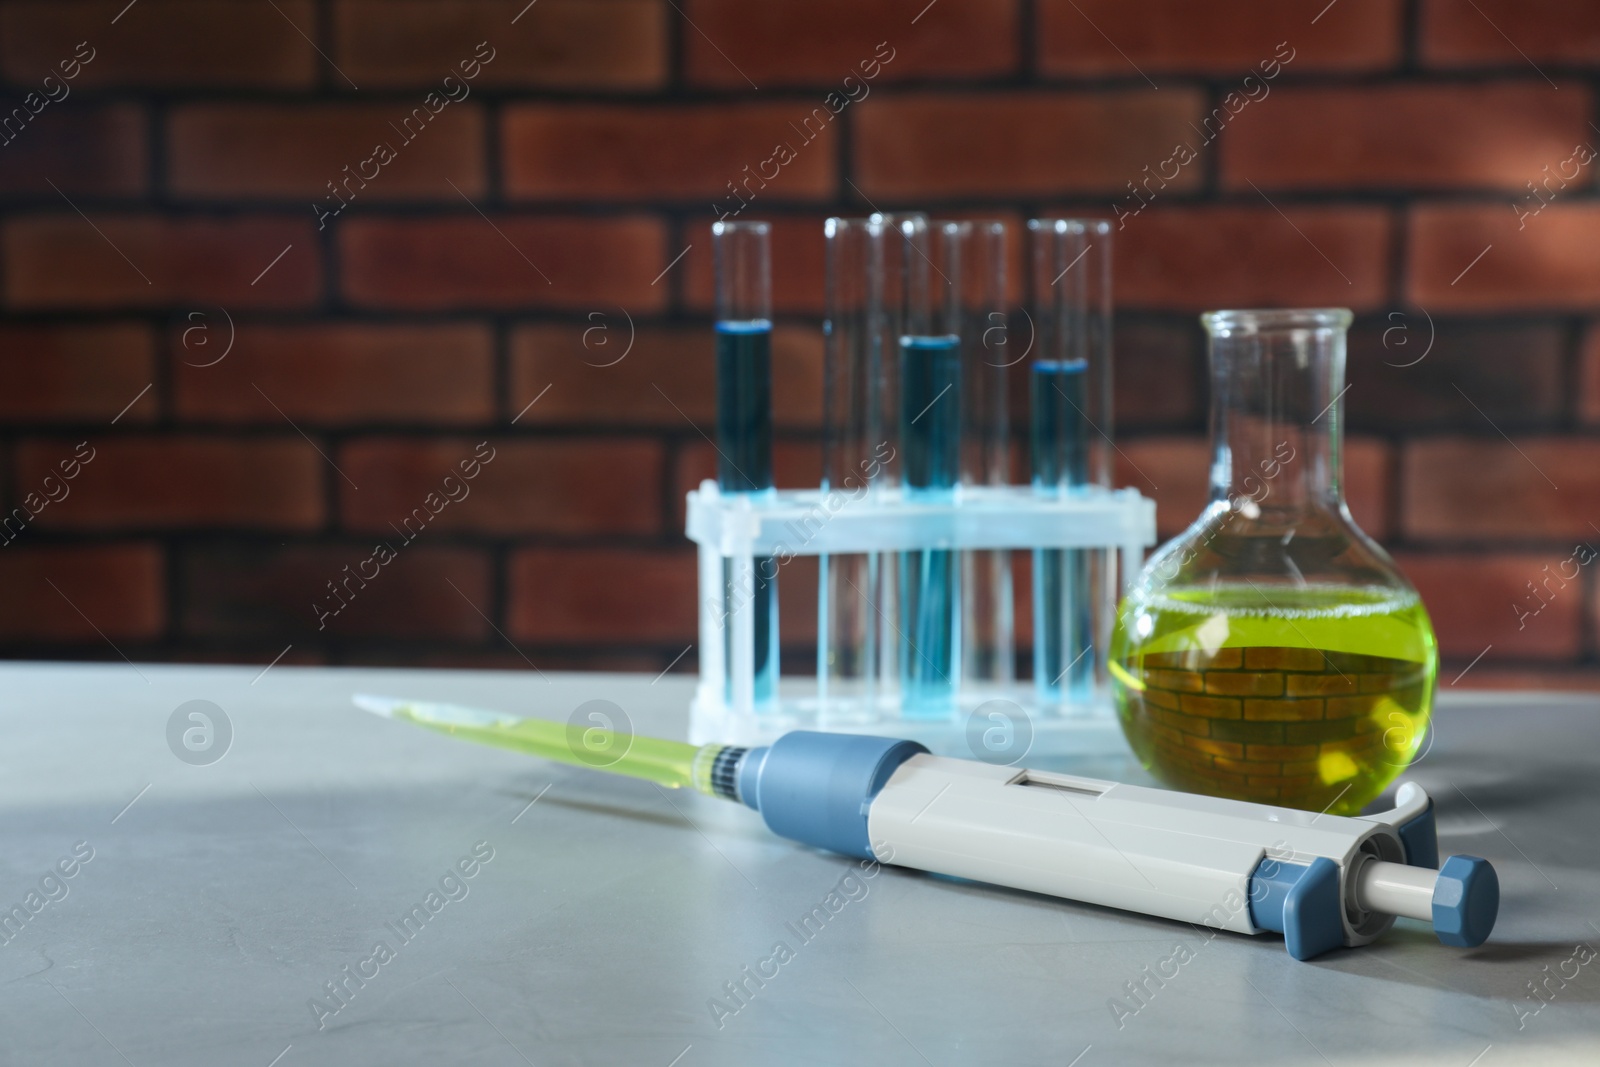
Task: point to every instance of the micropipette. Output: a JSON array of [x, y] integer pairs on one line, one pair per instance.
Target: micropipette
[[1321, 880]]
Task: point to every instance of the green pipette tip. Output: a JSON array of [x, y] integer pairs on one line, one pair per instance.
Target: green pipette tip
[[673, 764]]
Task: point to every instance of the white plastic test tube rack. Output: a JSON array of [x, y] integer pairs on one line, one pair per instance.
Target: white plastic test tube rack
[[746, 529]]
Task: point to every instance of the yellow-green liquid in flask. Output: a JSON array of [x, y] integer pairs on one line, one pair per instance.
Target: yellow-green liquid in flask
[[1312, 698]]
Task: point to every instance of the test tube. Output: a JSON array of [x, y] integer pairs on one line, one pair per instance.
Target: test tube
[[987, 359], [742, 252], [857, 649], [1069, 387], [847, 645], [929, 415]]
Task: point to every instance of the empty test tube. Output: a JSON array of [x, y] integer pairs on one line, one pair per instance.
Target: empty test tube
[[848, 584], [857, 647], [987, 364], [744, 440]]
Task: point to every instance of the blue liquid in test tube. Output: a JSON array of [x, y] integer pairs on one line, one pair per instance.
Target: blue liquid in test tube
[[1063, 602], [930, 431], [744, 465]]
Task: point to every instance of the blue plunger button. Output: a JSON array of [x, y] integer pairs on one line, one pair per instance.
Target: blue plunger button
[[1466, 900]]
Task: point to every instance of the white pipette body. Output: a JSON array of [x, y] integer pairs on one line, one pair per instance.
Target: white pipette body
[[1321, 880]]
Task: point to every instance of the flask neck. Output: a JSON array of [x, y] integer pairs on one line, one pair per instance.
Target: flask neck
[[1276, 417]]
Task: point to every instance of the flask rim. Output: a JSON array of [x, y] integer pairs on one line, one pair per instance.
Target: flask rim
[[1257, 320]]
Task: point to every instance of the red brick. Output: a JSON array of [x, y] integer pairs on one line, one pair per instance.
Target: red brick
[[467, 262], [797, 379], [1245, 683], [1543, 261], [799, 258], [1405, 373], [795, 465], [797, 607], [1241, 257], [1092, 38], [1509, 33], [76, 373], [612, 152], [101, 592], [59, 261], [576, 44], [1157, 377], [268, 150], [1173, 471], [282, 594], [182, 482], [1288, 659], [1472, 599], [1285, 710], [1180, 469], [1021, 144], [1496, 135], [1176, 680], [603, 596], [97, 150], [1227, 749], [824, 41], [1488, 488], [1368, 482], [164, 43], [1210, 707], [333, 374], [666, 379], [1022, 600], [573, 487]]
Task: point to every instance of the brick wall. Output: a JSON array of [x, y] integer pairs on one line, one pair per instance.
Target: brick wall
[[265, 374]]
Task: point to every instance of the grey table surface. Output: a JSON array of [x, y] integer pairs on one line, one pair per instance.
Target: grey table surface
[[221, 899]]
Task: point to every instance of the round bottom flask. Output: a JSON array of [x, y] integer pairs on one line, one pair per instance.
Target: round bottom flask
[[1272, 652]]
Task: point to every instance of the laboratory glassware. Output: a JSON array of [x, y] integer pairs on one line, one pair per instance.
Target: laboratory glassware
[[857, 676], [988, 361], [928, 416], [1272, 651], [743, 267], [1069, 444]]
